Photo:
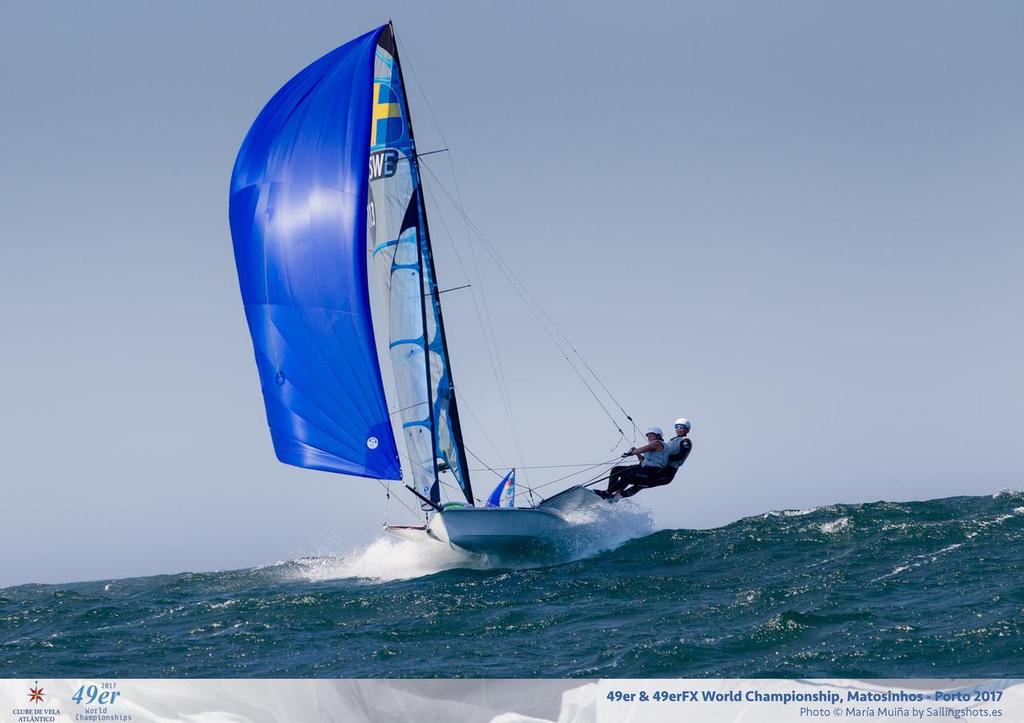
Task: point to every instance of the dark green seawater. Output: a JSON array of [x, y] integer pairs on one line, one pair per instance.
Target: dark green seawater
[[917, 589]]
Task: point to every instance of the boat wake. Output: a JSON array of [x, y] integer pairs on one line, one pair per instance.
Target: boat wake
[[596, 528], [385, 559]]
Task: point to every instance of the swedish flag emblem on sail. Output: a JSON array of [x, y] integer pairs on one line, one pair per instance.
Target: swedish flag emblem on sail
[[387, 126]]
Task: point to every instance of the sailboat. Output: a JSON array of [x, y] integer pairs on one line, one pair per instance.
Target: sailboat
[[326, 195]]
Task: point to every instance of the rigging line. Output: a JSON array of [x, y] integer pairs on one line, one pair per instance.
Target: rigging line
[[408, 63], [575, 351], [509, 273], [530, 488], [498, 363], [494, 352], [403, 409], [487, 330], [544, 466], [524, 485], [569, 476], [622, 436], [427, 469], [523, 291], [490, 345], [483, 431], [568, 343], [416, 513], [486, 466], [560, 479], [455, 288], [531, 303], [515, 283], [456, 488], [500, 475], [500, 375]]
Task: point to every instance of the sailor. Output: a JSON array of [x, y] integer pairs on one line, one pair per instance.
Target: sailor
[[679, 446], [678, 449], [653, 457]]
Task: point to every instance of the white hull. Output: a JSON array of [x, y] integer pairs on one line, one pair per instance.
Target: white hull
[[506, 531]]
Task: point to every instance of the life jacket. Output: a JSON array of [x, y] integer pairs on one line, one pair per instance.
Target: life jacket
[[675, 460], [678, 451], [657, 458]]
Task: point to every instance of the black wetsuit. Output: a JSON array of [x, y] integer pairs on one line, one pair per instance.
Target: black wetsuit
[[633, 474], [620, 477]]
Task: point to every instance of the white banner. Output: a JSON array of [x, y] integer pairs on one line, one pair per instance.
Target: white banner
[[507, 701]]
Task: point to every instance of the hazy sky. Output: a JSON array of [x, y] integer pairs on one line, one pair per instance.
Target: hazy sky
[[797, 223]]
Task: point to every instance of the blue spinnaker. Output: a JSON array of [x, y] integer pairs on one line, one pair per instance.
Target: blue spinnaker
[[505, 492], [298, 221]]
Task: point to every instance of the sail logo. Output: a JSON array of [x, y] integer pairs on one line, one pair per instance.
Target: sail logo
[[387, 125], [383, 164]]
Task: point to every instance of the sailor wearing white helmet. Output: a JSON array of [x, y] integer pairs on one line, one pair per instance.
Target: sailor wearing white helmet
[[653, 457], [677, 450], [679, 446]]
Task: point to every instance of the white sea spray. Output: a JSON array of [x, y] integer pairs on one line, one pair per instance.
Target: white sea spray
[[835, 525], [594, 529]]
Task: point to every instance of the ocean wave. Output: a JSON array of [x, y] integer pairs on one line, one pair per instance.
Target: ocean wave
[[876, 589], [791, 513], [843, 523]]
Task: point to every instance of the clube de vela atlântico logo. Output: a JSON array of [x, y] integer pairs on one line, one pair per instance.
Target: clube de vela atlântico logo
[[36, 713]]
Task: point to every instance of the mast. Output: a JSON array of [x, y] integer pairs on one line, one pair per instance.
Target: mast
[[426, 258]]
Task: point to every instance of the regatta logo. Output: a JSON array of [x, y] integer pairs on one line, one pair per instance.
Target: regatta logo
[[35, 714], [383, 164]]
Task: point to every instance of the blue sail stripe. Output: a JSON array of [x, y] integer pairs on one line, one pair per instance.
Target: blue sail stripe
[[400, 342], [387, 244]]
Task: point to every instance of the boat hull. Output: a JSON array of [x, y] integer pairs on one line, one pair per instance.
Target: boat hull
[[498, 531], [512, 532]]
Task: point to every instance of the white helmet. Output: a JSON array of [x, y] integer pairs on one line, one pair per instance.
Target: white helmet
[[683, 422], [655, 430]]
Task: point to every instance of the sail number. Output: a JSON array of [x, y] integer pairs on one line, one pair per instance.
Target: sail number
[[383, 164]]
